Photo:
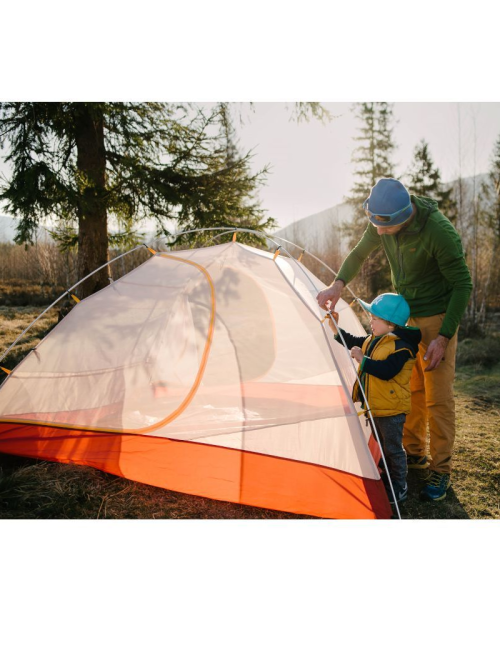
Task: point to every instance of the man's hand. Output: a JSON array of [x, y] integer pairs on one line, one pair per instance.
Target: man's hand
[[332, 295], [357, 353], [435, 352]]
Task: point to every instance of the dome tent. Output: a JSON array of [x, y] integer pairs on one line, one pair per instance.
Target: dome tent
[[209, 372]]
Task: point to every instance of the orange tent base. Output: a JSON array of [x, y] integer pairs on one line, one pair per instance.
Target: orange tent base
[[206, 470]]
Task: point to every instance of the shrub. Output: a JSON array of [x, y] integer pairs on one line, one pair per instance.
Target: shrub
[[16, 293], [484, 352]]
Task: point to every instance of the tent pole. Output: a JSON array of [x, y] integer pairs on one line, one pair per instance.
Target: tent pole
[[328, 342], [233, 230], [326, 267], [299, 260], [369, 411], [361, 388]]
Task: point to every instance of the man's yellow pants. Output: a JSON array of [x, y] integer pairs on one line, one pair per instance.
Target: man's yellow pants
[[432, 401]]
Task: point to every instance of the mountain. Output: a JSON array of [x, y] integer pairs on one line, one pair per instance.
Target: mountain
[[8, 231], [326, 232], [322, 232]]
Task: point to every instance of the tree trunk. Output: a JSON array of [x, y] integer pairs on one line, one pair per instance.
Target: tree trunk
[[92, 217]]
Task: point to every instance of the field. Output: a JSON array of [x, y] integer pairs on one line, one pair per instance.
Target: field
[[31, 489]]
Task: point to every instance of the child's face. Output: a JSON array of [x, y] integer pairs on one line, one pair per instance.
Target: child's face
[[380, 326]]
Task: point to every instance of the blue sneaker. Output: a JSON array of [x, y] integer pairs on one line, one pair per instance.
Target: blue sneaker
[[436, 487]]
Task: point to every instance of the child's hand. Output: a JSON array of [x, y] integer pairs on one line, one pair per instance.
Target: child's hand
[[356, 353], [333, 321]]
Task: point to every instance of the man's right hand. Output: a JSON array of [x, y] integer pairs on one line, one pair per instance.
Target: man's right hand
[[331, 295]]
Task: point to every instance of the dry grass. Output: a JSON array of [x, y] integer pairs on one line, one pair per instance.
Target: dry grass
[[31, 489], [475, 490], [17, 293], [13, 320]]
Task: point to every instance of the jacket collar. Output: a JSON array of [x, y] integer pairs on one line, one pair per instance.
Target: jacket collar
[[425, 207]]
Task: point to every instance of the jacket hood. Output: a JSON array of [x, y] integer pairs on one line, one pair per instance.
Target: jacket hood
[[410, 335], [425, 206]]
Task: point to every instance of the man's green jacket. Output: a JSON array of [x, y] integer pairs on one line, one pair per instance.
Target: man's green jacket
[[427, 264]]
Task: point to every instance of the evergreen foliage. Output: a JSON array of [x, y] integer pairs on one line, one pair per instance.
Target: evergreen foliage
[[481, 237], [424, 179], [372, 158], [494, 221], [87, 163], [489, 223]]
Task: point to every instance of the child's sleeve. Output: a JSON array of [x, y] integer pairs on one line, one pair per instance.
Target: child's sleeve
[[351, 340], [388, 368]]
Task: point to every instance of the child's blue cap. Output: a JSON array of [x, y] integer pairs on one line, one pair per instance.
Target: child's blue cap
[[389, 306]]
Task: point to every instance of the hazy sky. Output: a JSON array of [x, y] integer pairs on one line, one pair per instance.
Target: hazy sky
[[311, 168], [310, 162]]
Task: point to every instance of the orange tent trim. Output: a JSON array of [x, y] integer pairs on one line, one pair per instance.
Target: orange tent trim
[[207, 470]]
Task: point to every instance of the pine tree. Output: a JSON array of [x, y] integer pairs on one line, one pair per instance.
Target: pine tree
[[85, 164], [490, 196], [424, 179], [495, 183], [373, 161]]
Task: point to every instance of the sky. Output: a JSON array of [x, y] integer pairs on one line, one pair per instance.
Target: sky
[[311, 167], [310, 162]]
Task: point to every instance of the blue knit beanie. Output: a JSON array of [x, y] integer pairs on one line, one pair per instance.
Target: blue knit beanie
[[390, 200]]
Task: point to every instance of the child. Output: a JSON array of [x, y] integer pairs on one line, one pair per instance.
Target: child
[[386, 359]]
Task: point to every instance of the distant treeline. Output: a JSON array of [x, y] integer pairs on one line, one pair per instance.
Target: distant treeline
[[37, 275]]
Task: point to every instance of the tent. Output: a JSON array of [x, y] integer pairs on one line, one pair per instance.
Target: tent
[[208, 372]]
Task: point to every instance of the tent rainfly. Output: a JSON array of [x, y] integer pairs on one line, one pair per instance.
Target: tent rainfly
[[209, 372]]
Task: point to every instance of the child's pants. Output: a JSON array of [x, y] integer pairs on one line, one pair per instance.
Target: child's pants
[[390, 430]]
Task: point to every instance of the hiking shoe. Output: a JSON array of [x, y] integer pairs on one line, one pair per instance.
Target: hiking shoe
[[417, 462], [436, 487], [401, 495]]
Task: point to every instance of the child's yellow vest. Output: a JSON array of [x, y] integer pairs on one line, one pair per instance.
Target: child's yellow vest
[[386, 396]]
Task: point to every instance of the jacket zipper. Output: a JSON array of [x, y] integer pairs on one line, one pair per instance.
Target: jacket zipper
[[366, 374], [400, 258]]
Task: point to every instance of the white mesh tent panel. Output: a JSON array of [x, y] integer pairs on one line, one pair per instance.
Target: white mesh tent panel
[[222, 346]]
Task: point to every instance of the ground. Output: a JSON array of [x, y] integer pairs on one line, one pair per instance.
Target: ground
[[32, 489]]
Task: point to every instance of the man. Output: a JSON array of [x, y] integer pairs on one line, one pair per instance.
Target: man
[[428, 269]]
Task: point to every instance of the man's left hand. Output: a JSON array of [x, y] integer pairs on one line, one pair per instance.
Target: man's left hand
[[435, 352]]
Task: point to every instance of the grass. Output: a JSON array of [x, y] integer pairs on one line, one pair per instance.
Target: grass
[[23, 292], [13, 320], [479, 353], [475, 489], [33, 489]]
